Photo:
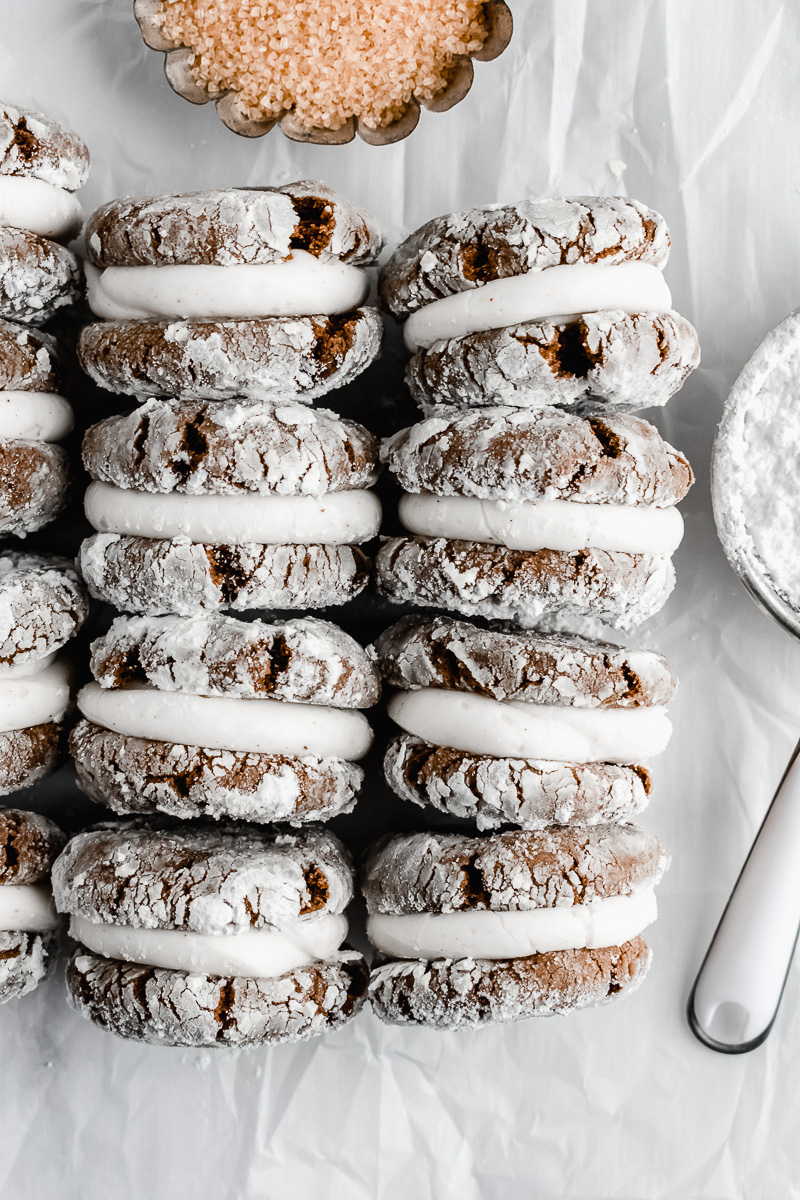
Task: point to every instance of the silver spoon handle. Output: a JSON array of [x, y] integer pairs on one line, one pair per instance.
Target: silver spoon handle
[[739, 986]]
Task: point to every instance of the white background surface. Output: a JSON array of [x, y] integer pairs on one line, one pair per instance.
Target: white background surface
[[701, 100]]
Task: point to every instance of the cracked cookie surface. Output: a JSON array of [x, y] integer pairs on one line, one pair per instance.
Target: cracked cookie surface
[[227, 448], [462, 250], [272, 358], [234, 225], [607, 361]]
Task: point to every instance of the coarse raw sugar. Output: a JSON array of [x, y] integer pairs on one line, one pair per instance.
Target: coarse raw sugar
[[327, 60]]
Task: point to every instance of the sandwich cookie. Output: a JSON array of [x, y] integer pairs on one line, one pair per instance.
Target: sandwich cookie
[[29, 923], [518, 728], [206, 506], [514, 925], [42, 164], [216, 717], [552, 301], [539, 515], [209, 937], [34, 417], [43, 604], [246, 292]]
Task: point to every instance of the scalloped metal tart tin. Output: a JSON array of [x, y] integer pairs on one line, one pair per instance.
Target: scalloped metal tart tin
[[178, 62]]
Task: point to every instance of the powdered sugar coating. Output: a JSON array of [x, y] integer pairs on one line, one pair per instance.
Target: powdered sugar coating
[[466, 993], [29, 844], [233, 225], [28, 755], [34, 482], [463, 250], [530, 793], [226, 448], [28, 359], [37, 277], [440, 652], [134, 775], [276, 358], [176, 1008], [301, 660], [221, 880], [38, 147], [526, 588], [156, 576], [516, 455], [43, 603], [519, 870], [607, 361], [755, 470], [25, 960]]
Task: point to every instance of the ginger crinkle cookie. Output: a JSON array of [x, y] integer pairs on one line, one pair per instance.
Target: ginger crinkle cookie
[[42, 165], [191, 936], [517, 728], [514, 925], [554, 301], [237, 293], [43, 604], [34, 417], [215, 717], [29, 922], [535, 516], [202, 505]]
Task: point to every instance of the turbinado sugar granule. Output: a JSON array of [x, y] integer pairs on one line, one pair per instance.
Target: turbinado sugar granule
[[327, 60]]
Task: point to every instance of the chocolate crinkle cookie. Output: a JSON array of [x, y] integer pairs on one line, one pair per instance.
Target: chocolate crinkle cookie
[[608, 361], [521, 516], [43, 604], [509, 727], [462, 251], [555, 301], [198, 937], [29, 923], [271, 358], [252, 720], [234, 225], [515, 925]]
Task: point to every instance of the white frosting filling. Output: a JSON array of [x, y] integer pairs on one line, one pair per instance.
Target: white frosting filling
[[544, 524], [339, 518], [27, 700], [300, 286], [27, 907], [27, 667], [35, 416], [513, 729], [40, 207], [558, 294], [256, 953], [498, 935], [233, 723]]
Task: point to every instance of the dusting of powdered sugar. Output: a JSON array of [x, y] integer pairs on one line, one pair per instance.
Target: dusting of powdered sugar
[[756, 469]]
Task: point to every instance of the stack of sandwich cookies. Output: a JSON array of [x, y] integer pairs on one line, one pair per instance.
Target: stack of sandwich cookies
[[514, 925], [34, 470], [203, 937], [557, 301], [42, 164], [29, 922], [212, 716], [203, 505], [532, 515], [43, 604], [515, 728], [240, 293]]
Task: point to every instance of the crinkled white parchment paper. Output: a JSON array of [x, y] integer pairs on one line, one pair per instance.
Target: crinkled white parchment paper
[[693, 106]]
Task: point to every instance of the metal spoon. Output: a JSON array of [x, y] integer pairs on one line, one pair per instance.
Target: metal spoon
[[735, 998]]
